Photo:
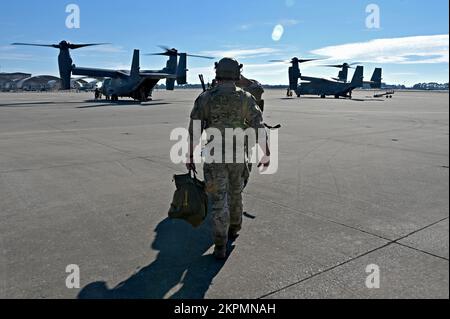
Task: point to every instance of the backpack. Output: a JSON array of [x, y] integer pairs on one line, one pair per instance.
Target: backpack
[[190, 201]]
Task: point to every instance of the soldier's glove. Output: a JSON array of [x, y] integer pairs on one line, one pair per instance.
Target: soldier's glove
[[264, 163], [190, 165]]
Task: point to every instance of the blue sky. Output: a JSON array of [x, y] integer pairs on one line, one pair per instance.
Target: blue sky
[[411, 43]]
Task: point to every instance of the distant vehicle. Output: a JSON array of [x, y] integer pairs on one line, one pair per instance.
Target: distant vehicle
[[139, 84], [388, 94]]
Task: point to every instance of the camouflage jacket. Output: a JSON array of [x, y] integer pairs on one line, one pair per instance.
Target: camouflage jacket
[[226, 106]]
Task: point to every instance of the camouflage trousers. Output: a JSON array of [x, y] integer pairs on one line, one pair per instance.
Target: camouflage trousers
[[224, 187]]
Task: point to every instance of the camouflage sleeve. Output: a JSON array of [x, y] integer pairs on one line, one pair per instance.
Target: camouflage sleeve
[[253, 114], [198, 112]]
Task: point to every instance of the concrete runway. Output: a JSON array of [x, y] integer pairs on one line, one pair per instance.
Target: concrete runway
[[360, 182]]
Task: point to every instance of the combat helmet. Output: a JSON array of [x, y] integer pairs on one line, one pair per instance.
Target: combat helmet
[[228, 69]]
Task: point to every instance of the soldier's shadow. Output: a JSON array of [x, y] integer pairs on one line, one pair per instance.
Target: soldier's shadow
[[182, 269]]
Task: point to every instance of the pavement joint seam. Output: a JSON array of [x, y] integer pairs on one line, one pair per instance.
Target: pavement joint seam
[[422, 251], [353, 258], [319, 216], [325, 270]]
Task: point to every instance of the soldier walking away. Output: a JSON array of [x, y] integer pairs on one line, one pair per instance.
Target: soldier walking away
[[226, 106]]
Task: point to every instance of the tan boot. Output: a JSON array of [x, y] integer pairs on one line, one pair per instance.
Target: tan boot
[[233, 234]]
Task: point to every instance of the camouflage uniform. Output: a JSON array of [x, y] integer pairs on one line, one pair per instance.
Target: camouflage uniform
[[226, 106], [254, 88]]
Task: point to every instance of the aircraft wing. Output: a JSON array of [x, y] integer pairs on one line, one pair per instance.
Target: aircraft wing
[[157, 76], [91, 72], [313, 79]]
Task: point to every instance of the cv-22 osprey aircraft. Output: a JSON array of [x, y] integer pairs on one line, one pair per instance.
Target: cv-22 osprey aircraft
[[136, 83], [64, 58], [323, 87]]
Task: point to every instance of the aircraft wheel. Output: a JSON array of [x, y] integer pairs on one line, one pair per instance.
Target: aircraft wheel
[[322, 96], [336, 96], [114, 98]]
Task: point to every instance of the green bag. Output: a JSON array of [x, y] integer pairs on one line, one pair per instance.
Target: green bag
[[190, 201]]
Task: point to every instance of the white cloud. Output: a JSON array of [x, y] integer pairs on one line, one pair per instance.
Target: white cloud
[[264, 72], [405, 50], [242, 53], [245, 27], [284, 22], [289, 22], [107, 48], [16, 57], [7, 52]]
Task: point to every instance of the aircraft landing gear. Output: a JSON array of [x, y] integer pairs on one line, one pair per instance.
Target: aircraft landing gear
[[143, 96], [322, 96], [114, 98], [336, 96]]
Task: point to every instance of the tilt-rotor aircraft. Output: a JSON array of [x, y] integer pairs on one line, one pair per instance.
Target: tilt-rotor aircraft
[[343, 73], [321, 86], [138, 84], [64, 59], [375, 80]]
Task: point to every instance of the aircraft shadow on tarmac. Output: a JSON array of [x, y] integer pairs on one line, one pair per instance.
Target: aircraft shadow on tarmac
[[180, 271], [332, 98], [100, 103], [28, 104]]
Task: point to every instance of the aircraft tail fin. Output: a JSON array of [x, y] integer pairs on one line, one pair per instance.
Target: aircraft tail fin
[[172, 64], [342, 76], [135, 64], [375, 81], [358, 76], [182, 69]]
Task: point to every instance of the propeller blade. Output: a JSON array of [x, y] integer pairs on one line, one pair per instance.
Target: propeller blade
[[78, 46], [38, 45], [277, 61], [172, 52], [306, 60], [200, 56], [341, 65], [164, 47], [155, 54]]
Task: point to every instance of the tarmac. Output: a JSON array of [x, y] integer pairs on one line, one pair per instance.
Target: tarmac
[[362, 186]]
